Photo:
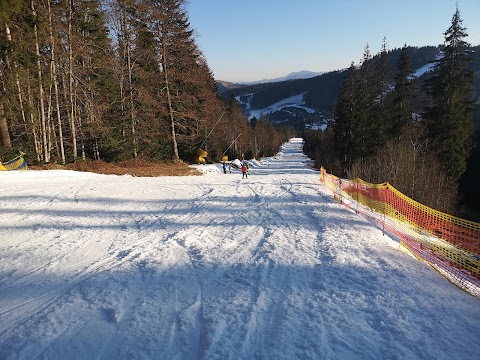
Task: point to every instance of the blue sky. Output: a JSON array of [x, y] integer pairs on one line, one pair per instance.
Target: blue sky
[[247, 40]]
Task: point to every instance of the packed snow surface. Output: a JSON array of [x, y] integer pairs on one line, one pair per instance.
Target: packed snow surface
[[214, 267]]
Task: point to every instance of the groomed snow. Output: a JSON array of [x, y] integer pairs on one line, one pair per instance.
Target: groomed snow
[[296, 101], [213, 267]]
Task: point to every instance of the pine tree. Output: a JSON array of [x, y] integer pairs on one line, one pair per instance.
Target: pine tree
[[97, 89], [125, 128], [227, 129], [362, 110], [448, 114], [402, 95], [345, 117], [381, 107], [265, 136], [367, 129], [180, 65], [148, 99], [65, 94], [12, 15]]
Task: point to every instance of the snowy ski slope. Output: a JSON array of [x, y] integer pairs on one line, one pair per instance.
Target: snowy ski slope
[[213, 267]]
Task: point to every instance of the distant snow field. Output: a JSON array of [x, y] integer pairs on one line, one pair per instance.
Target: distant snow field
[[213, 267]]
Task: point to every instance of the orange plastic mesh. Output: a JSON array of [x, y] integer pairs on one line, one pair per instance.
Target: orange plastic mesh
[[450, 244]]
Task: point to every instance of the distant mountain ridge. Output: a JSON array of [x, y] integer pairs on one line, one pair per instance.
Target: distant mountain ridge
[[303, 74]]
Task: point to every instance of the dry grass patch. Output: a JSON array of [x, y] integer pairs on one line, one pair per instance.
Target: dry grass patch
[[136, 167]]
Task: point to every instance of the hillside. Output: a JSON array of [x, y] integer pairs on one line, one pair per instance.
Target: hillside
[[310, 102]]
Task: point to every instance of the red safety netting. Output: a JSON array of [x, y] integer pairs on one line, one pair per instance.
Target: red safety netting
[[450, 244]]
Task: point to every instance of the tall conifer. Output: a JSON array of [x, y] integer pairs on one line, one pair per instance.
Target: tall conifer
[[402, 95], [448, 114], [381, 105], [367, 129], [14, 14], [180, 65], [148, 102], [344, 122]]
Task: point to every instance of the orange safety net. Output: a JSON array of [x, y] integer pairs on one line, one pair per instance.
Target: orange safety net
[[450, 244]]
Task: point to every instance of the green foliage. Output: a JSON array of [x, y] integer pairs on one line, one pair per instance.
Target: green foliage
[[402, 94], [449, 111], [377, 137], [419, 56], [381, 88], [10, 7], [361, 112], [318, 146], [469, 181], [345, 123], [321, 92]]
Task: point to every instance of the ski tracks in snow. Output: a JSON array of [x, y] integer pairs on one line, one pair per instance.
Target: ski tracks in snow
[[269, 254], [113, 245], [212, 267]]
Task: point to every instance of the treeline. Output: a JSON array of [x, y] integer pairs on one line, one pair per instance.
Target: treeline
[[114, 80], [377, 135]]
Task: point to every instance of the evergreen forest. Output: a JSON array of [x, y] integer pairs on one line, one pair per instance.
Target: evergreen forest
[[417, 135], [114, 80], [117, 80]]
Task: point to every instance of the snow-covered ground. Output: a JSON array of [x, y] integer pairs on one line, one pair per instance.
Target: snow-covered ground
[[296, 101], [213, 267]]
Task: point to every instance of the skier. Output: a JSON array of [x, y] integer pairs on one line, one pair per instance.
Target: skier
[[224, 167], [244, 171]]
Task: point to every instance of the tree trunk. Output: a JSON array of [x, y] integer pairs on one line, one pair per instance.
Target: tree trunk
[[4, 132], [70, 75], [127, 54], [55, 83], [32, 122], [132, 106], [20, 98], [4, 128], [169, 100], [17, 79], [46, 154]]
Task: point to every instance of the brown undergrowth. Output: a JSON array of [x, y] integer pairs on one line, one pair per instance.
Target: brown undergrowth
[[136, 167]]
